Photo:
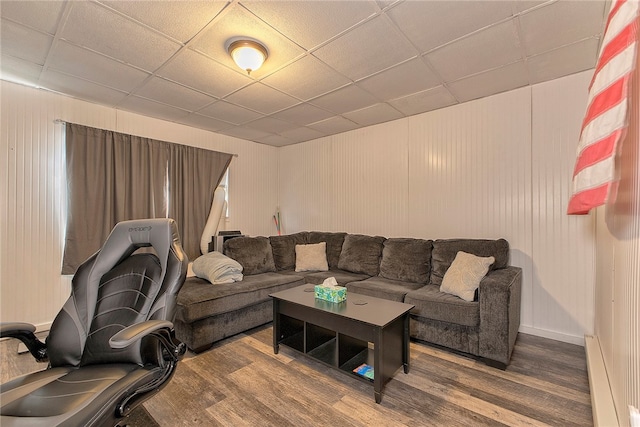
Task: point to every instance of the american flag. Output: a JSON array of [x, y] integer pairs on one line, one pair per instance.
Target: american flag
[[605, 122]]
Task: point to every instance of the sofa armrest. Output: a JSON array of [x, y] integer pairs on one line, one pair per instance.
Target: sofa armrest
[[499, 300]]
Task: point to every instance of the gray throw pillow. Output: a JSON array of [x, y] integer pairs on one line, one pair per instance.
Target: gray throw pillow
[[408, 260], [253, 253], [361, 254]]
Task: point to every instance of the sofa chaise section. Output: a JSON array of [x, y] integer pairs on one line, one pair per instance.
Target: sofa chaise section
[[486, 327]]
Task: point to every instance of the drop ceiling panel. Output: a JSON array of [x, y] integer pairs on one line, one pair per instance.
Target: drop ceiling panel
[[495, 81], [347, 54], [563, 61], [522, 5], [173, 94], [271, 125], [236, 21], [470, 55], [81, 89], [202, 73], [21, 42], [100, 29], [151, 108], [275, 140], [204, 122], [95, 67], [229, 113], [378, 113], [429, 24], [179, 20], [404, 79], [333, 125], [262, 98], [427, 100], [302, 134], [293, 18], [245, 133], [306, 78], [39, 15], [349, 98], [303, 114], [560, 23], [18, 70]]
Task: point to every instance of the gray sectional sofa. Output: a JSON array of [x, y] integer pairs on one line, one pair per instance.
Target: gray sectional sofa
[[400, 269]]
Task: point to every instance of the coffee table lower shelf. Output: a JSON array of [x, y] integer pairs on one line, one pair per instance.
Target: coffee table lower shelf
[[339, 351]]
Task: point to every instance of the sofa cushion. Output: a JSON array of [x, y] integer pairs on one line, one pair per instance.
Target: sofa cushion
[[197, 299], [407, 260], [361, 254], [284, 249], [312, 257], [430, 303], [464, 275], [334, 245], [379, 287], [253, 253], [341, 276], [445, 251]]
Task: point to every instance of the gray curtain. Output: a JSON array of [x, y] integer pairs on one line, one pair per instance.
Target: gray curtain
[[112, 177], [194, 175]]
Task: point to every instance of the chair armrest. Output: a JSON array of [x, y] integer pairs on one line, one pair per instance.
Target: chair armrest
[[133, 333], [499, 300], [25, 333], [8, 329]]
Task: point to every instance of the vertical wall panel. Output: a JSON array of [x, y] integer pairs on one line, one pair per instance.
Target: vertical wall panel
[[618, 263], [32, 190], [355, 181], [469, 176], [563, 245]]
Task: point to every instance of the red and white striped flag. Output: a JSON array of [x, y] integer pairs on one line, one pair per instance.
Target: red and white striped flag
[[605, 122]]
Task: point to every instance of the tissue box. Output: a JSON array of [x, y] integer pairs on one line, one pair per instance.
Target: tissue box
[[331, 293]]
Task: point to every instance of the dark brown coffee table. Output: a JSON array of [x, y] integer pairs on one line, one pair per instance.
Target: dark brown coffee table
[[344, 335]]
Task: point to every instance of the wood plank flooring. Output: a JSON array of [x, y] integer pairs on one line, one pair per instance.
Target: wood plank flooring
[[240, 382]]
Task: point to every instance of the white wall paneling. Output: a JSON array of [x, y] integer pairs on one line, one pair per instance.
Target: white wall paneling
[[563, 247], [617, 305], [355, 182], [483, 169], [32, 170]]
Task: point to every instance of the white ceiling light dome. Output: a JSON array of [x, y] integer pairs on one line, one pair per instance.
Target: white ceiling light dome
[[247, 53]]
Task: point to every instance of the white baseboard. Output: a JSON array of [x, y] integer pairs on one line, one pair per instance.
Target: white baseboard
[[558, 336], [602, 405]]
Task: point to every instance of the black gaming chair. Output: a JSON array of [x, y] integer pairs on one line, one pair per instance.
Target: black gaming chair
[[111, 346]]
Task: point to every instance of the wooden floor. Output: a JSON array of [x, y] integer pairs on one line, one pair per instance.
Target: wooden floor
[[240, 382]]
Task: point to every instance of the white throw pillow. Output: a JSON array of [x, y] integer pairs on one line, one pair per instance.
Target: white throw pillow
[[464, 275], [312, 257]]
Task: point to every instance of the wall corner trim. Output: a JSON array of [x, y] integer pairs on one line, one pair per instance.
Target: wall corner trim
[[602, 404]]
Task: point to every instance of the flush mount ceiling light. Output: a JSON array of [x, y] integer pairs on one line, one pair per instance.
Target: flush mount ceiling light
[[247, 54]]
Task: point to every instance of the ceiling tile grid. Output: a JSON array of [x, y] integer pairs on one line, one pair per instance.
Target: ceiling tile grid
[[333, 66]]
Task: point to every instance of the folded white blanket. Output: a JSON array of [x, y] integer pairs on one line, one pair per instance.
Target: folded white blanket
[[217, 268]]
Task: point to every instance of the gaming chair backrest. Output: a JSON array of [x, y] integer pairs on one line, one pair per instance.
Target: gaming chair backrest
[[114, 289]]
